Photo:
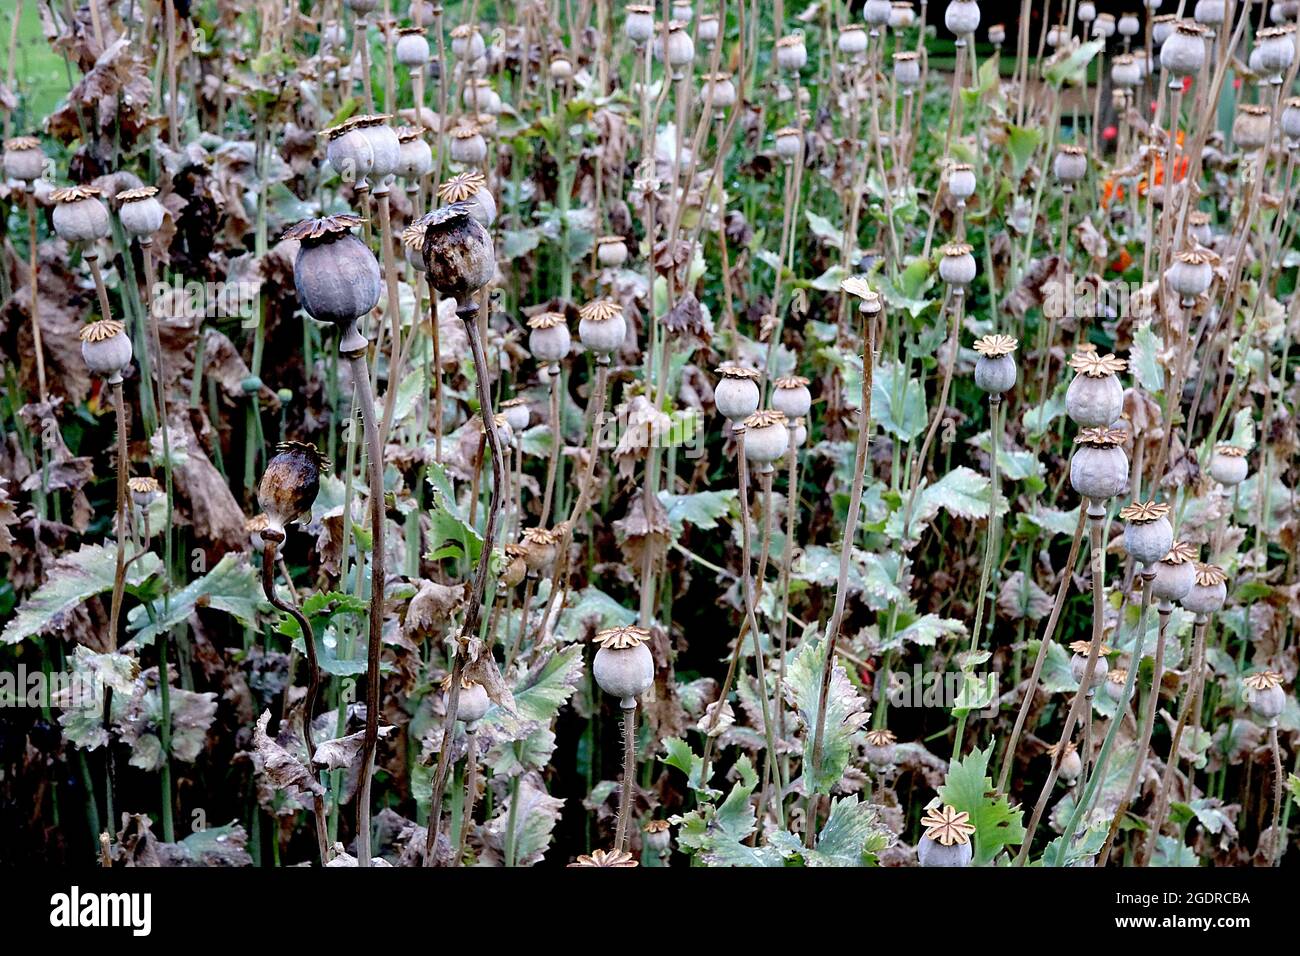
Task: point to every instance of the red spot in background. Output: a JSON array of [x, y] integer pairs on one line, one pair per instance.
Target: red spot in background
[[1110, 132], [1187, 83]]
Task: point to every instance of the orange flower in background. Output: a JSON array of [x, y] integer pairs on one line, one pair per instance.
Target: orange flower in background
[[1114, 191]]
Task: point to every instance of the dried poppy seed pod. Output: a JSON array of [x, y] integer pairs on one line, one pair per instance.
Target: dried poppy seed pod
[[1183, 52], [516, 568], [1208, 592], [1228, 465], [479, 97], [1095, 397], [1162, 27], [23, 159], [473, 702], [623, 666], [998, 34], [560, 67], [1070, 164], [412, 48], [1128, 25], [1199, 227], [413, 243], [962, 17], [681, 49], [470, 187], [1250, 128], [1191, 273], [1087, 11], [467, 43], [549, 339], [517, 413], [349, 153], [707, 30], [946, 839], [766, 438], [639, 23], [1104, 26], [907, 70], [1116, 679], [1071, 764], [1291, 121], [1148, 535], [1125, 71], [852, 41], [957, 266], [799, 428], [1263, 692], [1175, 573], [995, 369], [902, 15], [362, 7], [961, 181], [289, 486], [1054, 37], [79, 214], [601, 327], [880, 749], [736, 395], [1099, 466], [539, 548], [683, 11], [140, 212], [611, 251], [1079, 664], [720, 92], [144, 491], [416, 155], [658, 836], [336, 276], [458, 252], [467, 145], [106, 349], [789, 144], [254, 527], [1211, 13], [875, 13], [790, 396], [791, 54]]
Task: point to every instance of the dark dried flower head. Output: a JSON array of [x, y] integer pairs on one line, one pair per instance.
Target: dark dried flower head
[[1180, 553], [995, 346], [462, 187], [606, 858], [622, 637], [1263, 680], [101, 331], [458, 251], [947, 826], [290, 483], [1095, 365], [325, 229], [600, 310], [1210, 575], [1101, 437], [1142, 512]]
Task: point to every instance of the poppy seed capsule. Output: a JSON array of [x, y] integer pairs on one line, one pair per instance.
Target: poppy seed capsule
[[144, 491], [962, 17], [1250, 128], [561, 68], [106, 349], [1095, 397], [623, 666], [412, 47], [658, 837], [945, 842], [1128, 25], [1208, 592], [901, 15], [467, 147], [1190, 274], [349, 153], [736, 395], [1070, 164], [1265, 695], [957, 265], [140, 212], [800, 433], [23, 159], [1210, 12], [1103, 26], [601, 327], [516, 412], [1183, 52], [1228, 465], [995, 368], [638, 23], [1199, 223], [791, 54], [467, 43], [289, 486], [1087, 11], [681, 49], [933, 854], [470, 187], [539, 548], [907, 69], [791, 397], [416, 155], [852, 40], [998, 34], [1099, 466], [1291, 120], [875, 13], [473, 703], [1148, 535], [1079, 664], [707, 29], [1175, 573], [479, 97], [79, 215], [549, 339], [336, 276], [1071, 766], [1162, 27], [720, 92], [1115, 683], [961, 181], [458, 252], [765, 438], [611, 251], [1125, 71], [880, 749], [682, 10], [789, 143]]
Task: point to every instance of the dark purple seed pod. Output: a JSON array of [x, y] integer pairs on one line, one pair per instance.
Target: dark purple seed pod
[[336, 276], [458, 252]]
